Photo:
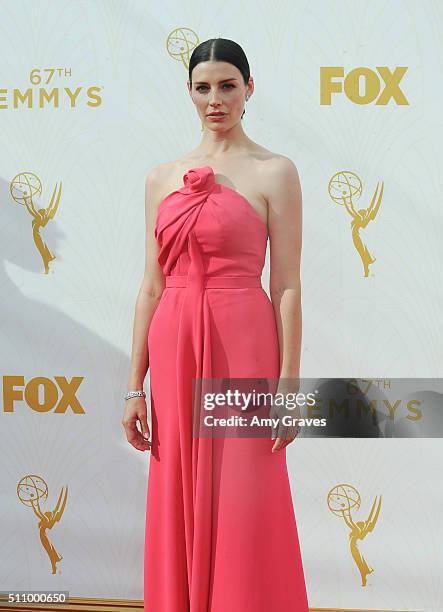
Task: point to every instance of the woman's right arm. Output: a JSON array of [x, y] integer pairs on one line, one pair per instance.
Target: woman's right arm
[[150, 291], [148, 297]]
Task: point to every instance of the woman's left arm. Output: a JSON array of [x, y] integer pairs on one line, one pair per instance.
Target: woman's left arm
[[285, 236]]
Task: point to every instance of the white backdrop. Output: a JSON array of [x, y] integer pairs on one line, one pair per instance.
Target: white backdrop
[[122, 108]]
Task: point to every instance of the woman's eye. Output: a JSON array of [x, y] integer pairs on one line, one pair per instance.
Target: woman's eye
[[202, 87]]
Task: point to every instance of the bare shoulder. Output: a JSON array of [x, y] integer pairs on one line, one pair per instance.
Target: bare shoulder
[[165, 177], [280, 167], [157, 174], [281, 182], [157, 180], [274, 170]]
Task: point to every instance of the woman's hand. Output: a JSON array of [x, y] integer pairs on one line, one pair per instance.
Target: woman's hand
[[136, 410], [287, 430], [285, 435], [281, 442]]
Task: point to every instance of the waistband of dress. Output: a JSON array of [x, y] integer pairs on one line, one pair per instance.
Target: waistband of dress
[[216, 282]]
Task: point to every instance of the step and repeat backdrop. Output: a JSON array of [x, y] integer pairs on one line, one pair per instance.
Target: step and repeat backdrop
[[93, 96]]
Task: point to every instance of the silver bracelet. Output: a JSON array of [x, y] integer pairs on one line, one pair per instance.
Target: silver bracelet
[[130, 394]]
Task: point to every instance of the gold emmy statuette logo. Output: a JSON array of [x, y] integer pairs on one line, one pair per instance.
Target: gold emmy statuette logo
[[180, 43], [342, 500], [344, 187], [31, 490], [24, 188]]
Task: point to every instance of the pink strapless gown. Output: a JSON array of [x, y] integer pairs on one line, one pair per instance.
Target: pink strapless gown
[[221, 534]]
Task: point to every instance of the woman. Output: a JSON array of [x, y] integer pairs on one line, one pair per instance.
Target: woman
[[220, 526]]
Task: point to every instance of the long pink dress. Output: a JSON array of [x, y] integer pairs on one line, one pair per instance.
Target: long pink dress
[[220, 534]]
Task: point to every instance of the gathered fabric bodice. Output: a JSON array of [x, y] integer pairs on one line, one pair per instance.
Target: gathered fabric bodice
[[213, 222]]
